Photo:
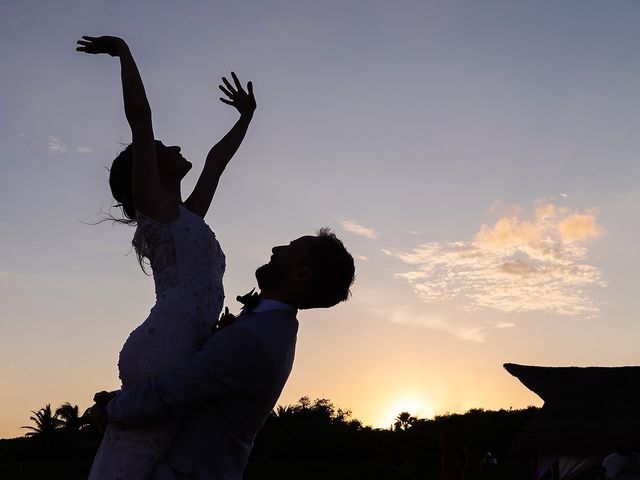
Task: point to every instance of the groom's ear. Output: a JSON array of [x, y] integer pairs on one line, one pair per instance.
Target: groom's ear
[[302, 274]]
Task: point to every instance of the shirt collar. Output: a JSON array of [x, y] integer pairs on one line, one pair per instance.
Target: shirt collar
[[267, 304]]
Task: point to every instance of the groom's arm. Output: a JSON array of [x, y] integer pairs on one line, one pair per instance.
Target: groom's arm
[[227, 365]]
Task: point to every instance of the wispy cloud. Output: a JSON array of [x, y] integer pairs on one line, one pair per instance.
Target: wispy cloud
[[353, 227], [473, 333], [513, 265], [56, 146], [22, 143], [504, 324], [381, 304], [9, 274]]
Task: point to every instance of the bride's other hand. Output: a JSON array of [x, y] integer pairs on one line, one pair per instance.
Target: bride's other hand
[[95, 45], [222, 152], [242, 100]]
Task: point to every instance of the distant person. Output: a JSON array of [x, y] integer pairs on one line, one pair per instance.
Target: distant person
[[186, 259], [224, 393]]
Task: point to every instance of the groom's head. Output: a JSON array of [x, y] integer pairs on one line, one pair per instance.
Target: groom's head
[[310, 272]]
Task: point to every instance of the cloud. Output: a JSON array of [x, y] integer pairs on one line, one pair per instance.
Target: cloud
[[504, 324], [357, 229], [23, 143], [56, 146], [579, 227], [381, 304], [513, 265], [9, 274], [472, 333], [361, 257]]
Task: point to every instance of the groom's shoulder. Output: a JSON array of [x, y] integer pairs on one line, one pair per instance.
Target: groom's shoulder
[[238, 329], [272, 326], [276, 313], [271, 320], [234, 336]]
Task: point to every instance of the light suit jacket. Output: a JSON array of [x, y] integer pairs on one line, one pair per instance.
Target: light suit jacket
[[223, 395]]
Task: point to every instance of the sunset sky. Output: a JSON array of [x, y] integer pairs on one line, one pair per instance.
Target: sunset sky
[[479, 159]]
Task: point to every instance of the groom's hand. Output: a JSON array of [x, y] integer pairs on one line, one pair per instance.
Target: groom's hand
[[225, 319], [104, 397], [98, 416]]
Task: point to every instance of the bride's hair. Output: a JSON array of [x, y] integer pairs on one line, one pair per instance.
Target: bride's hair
[[121, 187]]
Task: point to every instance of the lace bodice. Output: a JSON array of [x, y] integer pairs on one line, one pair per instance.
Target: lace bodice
[[188, 266], [185, 255]]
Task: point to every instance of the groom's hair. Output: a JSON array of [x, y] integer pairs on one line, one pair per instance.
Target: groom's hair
[[333, 272]]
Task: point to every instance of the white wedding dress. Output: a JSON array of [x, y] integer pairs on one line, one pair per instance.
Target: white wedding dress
[[188, 266]]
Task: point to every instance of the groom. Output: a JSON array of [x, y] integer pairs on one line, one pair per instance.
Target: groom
[[225, 392]]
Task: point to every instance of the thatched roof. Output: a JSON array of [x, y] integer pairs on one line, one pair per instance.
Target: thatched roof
[[587, 410]]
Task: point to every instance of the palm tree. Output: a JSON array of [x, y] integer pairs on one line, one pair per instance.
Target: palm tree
[[284, 411], [46, 422], [70, 417], [404, 421]]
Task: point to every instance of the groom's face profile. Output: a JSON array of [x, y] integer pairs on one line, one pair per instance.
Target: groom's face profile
[[288, 263]]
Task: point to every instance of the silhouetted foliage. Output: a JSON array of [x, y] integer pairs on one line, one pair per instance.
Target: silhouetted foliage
[[46, 422], [70, 418], [311, 439], [404, 421], [316, 440]]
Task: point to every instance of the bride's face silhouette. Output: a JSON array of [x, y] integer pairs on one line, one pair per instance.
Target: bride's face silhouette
[[171, 163]]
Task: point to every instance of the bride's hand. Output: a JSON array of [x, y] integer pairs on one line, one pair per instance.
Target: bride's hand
[[242, 100], [105, 44]]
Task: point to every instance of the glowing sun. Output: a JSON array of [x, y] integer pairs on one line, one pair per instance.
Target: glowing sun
[[416, 405]]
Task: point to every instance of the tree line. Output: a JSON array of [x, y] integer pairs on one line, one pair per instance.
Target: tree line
[[309, 440]]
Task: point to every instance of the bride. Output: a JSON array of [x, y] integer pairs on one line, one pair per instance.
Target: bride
[[183, 252]]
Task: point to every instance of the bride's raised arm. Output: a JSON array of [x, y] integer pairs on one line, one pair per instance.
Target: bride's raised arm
[[149, 195], [222, 152]]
